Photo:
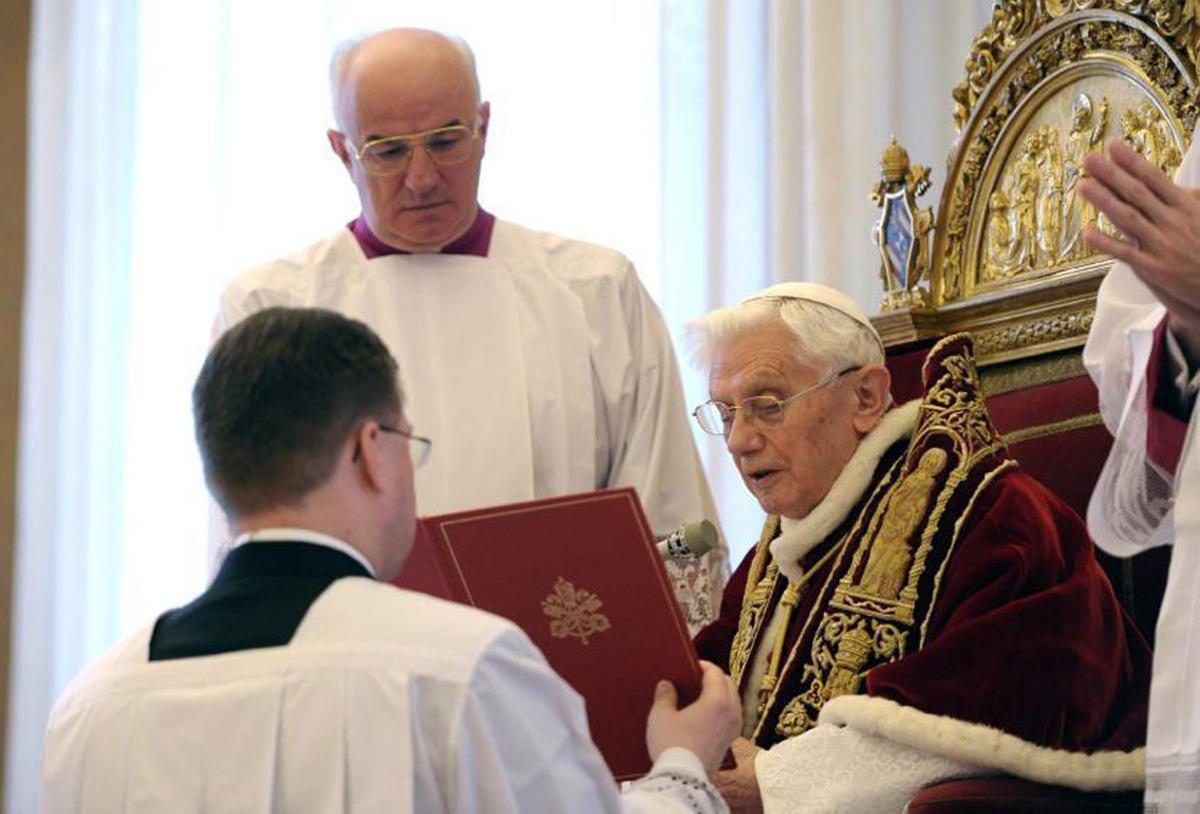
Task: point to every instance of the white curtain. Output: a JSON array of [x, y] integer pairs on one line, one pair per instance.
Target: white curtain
[[73, 384], [176, 144], [722, 145], [775, 114]]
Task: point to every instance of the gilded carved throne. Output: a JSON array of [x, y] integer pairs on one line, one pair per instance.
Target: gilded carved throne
[[1047, 82]]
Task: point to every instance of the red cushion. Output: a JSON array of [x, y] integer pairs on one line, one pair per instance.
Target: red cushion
[[1068, 462], [1008, 794]]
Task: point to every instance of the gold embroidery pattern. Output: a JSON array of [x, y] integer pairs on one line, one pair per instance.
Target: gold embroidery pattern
[[815, 613], [891, 553], [878, 612], [574, 612], [759, 588], [840, 653]]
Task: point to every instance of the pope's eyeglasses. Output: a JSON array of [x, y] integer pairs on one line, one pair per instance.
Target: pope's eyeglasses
[[762, 412], [391, 155]]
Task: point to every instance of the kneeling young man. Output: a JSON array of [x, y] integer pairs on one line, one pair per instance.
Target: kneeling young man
[[300, 681]]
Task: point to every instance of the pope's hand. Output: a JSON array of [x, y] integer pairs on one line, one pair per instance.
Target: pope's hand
[[1160, 224], [739, 786], [706, 726]]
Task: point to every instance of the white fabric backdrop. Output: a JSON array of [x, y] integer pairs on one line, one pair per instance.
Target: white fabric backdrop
[[723, 145], [775, 114]]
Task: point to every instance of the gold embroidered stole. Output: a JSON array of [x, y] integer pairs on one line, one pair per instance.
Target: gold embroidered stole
[[875, 603]]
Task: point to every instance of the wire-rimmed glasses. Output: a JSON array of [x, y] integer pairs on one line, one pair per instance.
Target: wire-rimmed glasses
[[391, 155], [716, 417]]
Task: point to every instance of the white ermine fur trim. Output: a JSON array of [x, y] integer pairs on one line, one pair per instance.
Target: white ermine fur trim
[[797, 537], [987, 747]]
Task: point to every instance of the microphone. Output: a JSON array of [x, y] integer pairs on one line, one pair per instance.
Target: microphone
[[689, 540]]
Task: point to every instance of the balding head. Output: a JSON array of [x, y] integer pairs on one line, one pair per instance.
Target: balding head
[[407, 46], [407, 82]]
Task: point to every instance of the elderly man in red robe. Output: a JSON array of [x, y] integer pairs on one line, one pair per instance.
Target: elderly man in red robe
[[917, 608]]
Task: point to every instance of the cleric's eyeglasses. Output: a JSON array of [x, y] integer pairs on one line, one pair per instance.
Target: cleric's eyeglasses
[[391, 155], [716, 417], [420, 447]]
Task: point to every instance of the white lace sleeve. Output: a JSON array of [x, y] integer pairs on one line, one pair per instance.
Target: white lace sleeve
[[676, 784], [1131, 504], [698, 582], [837, 769]]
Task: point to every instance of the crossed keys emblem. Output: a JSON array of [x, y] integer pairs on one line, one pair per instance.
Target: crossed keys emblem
[[574, 612]]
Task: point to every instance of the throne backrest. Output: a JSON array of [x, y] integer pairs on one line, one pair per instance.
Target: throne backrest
[[1048, 81]]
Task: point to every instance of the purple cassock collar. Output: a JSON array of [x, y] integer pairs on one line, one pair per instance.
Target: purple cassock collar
[[475, 241]]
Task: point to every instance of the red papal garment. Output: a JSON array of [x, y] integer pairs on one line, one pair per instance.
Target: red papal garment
[[949, 619]]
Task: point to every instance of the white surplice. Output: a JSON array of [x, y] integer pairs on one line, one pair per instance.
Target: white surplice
[[1136, 506], [543, 369], [384, 700]]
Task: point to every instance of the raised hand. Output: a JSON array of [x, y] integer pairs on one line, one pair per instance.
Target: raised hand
[[1160, 225]]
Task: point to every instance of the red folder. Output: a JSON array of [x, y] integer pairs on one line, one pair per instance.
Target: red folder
[[581, 576]]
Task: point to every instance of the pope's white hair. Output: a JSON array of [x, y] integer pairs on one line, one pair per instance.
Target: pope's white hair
[[826, 339], [342, 52]]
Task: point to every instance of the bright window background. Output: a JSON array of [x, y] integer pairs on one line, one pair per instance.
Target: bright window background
[[233, 169], [723, 145]]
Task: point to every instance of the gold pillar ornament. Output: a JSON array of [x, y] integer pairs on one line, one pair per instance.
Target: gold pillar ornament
[[902, 231]]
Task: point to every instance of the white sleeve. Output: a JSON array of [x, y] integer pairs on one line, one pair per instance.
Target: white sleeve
[[1122, 329], [522, 744], [652, 449], [1126, 311], [677, 784], [1131, 505], [835, 769]]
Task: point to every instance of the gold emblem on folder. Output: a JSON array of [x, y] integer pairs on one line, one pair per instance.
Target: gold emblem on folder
[[574, 612]]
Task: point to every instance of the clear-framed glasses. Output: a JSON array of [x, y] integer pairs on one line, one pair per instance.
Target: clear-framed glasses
[[716, 417], [419, 446], [391, 155]]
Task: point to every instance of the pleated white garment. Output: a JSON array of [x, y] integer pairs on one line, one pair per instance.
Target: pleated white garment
[[1137, 506]]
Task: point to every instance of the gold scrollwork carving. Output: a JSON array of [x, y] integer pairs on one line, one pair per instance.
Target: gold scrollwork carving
[[1011, 22], [1178, 20], [1035, 332], [1010, 19]]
